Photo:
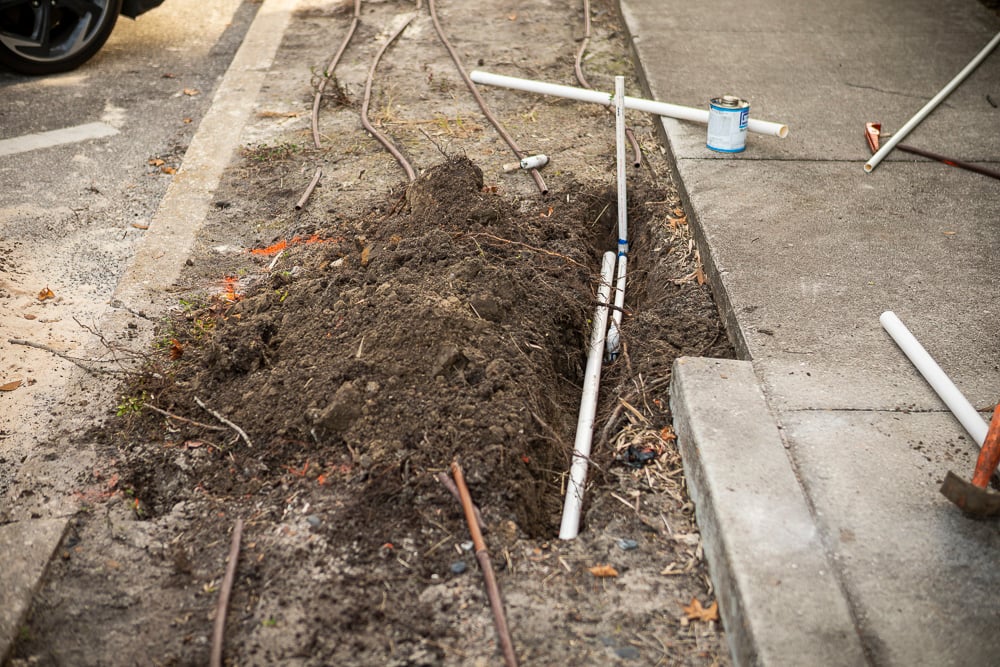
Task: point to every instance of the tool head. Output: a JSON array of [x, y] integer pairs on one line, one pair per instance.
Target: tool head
[[976, 502], [872, 133]]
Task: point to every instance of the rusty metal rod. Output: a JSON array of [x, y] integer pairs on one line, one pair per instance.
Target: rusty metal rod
[[479, 98], [483, 556]]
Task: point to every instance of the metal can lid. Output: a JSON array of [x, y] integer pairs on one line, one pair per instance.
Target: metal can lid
[[730, 101]]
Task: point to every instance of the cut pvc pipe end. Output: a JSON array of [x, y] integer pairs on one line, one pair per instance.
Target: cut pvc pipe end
[[530, 162], [967, 415], [534, 161]]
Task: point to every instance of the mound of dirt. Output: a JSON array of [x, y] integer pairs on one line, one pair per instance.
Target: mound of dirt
[[448, 323]]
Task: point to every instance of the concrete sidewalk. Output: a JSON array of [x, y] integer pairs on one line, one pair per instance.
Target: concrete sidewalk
[[815, 462]]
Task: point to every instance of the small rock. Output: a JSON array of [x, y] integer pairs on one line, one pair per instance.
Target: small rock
[[467, 545], [458, 567], [627, 652], [627, 544], [313, 520]]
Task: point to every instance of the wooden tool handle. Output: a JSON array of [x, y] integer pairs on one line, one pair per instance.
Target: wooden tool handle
[[989, 455]]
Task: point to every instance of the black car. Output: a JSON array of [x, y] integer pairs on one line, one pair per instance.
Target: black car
[[48, 36]]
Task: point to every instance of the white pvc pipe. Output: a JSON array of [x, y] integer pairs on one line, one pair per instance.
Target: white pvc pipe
[[613, 343], [930, 106], [570, 526], [971, 420], [597, 97]]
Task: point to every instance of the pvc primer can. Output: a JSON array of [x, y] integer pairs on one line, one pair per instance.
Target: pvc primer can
[[727, 124]]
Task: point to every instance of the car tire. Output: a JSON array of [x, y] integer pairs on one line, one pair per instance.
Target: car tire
[[48, 36]]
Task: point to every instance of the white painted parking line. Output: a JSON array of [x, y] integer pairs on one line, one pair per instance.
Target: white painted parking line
[[67, 135]]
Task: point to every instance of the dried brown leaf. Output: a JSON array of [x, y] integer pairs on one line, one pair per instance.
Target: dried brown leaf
[[695, 612], [11, 386], [603, 571]]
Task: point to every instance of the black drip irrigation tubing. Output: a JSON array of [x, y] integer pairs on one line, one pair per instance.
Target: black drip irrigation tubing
[[479, 98]]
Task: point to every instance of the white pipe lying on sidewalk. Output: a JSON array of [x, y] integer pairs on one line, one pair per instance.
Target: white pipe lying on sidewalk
[[613, 343], [597, 97], [570, 526], [930, 106], [971, 420]]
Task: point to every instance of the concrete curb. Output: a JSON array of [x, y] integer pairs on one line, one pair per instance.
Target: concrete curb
[[778, 593], [26, 547], [158, 261]]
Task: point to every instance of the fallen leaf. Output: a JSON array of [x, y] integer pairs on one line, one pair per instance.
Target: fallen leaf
[[46, 294], [548, 214], [512, 17], [603, 571], [168, 170], [949, 233], [667, 433], [695, 612], [193, 444], [10, 386], [139, 225], [176, 349], [365, 254], [30, 316], [155, 162], [191, 92], [188, 121]]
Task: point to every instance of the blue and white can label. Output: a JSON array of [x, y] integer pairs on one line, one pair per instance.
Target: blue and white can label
[[727, 124]]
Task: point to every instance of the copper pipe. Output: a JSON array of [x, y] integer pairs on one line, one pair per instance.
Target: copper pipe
[[636, 151], [951, 162], [578, 68], [309, 190], [479, 98], [219, 631], [328, 72], [483, 556], [382, 139]]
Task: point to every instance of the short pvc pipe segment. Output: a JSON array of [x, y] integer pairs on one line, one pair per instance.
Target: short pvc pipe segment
[[606, 99], [930, 106], [967, 415], [573, 504]]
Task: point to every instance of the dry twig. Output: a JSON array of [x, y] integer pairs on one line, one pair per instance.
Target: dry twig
[[82, 363], [171, 415], [218, 415]]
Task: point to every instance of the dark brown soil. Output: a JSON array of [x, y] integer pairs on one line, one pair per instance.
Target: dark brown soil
[[447, 320]]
